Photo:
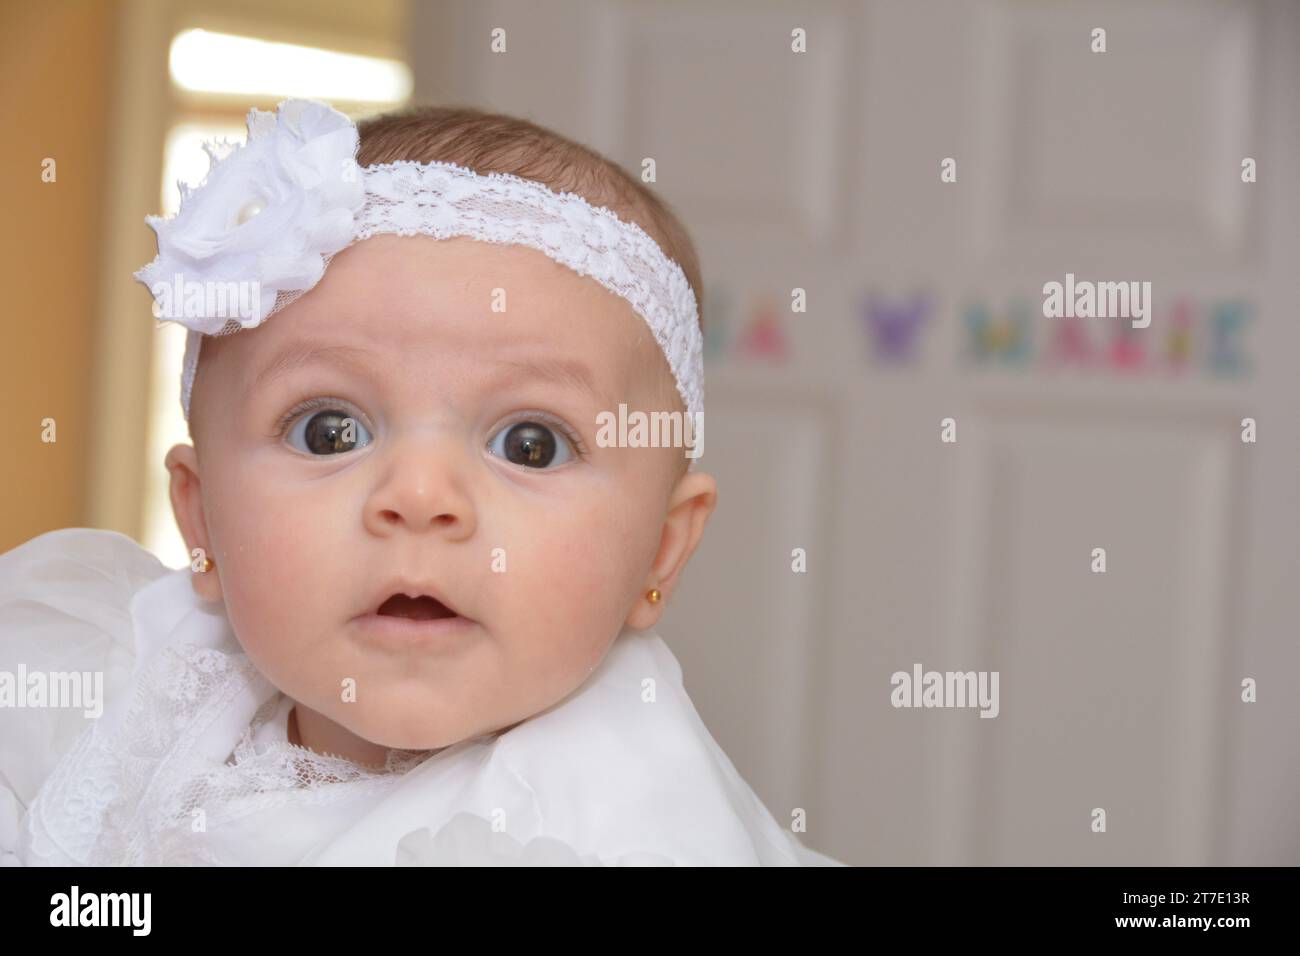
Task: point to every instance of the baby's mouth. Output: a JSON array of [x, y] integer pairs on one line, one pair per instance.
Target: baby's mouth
[[421, 608]]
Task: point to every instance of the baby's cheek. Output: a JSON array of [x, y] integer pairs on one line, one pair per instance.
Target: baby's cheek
[[542, 597], [273, 574], [591, 575]]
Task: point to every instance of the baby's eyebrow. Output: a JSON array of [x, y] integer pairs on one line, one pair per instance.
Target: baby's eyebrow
[[559, 371], [564, 372], [302, 353]]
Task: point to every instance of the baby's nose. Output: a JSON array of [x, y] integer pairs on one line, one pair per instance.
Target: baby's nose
[[421, 487]]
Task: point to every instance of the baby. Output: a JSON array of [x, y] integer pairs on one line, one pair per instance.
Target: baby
[[419, 624]]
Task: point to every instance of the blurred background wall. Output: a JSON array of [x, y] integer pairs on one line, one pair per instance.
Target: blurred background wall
[[54, 61], [919, 170]]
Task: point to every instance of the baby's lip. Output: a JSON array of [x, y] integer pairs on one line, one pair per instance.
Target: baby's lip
[[412, 588]]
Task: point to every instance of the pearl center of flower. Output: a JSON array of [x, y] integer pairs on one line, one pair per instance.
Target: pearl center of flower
[[248, 210]]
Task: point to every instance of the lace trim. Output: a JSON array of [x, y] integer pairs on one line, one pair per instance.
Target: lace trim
[[285, 766], [130, 796]]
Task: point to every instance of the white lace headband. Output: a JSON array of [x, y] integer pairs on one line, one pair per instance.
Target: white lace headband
[[264, 224]]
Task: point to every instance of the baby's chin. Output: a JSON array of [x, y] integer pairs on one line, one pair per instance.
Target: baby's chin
[[418, 728]]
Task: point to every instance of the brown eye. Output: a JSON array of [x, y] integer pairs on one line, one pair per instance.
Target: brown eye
[[531, 444], [328, 432]]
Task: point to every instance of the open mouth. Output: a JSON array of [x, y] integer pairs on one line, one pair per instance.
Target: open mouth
[[421, 608]]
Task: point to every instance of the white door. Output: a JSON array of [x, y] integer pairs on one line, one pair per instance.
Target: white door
[[1119, 691]]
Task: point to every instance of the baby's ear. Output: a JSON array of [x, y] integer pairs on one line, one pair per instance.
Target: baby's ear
[[187, 506], [689, 506]]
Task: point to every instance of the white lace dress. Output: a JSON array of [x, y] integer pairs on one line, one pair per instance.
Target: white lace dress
[[190, 761]]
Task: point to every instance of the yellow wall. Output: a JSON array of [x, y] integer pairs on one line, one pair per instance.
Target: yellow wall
[[84, 82], [55, 61]]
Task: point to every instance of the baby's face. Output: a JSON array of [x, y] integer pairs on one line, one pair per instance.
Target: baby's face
[[544, 545]]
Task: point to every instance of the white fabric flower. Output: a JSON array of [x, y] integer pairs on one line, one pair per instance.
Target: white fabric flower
[[469, 840], [268, 212]]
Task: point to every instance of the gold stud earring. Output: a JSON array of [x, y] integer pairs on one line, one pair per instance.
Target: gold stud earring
[[208, 564], [653, 595]]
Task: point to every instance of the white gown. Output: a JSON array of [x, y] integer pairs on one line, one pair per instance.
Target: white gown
[[190, 761]]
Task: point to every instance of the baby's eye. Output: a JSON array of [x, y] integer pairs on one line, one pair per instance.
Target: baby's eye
[[328, 432], [532, 444]]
